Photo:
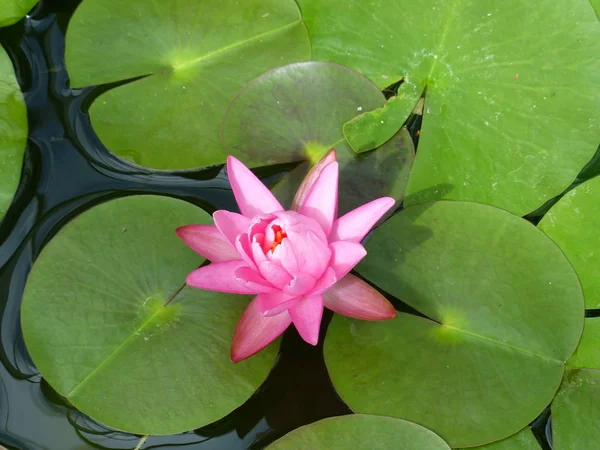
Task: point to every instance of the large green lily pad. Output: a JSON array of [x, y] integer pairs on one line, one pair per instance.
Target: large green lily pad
[[13, 132], [505, 311], [512, 110], [575, 412], [523, 440], [360, 432], [110, 324], [11, 11], [587, 355], [596, 6], [194, 57], [573, 223], [297, 112]]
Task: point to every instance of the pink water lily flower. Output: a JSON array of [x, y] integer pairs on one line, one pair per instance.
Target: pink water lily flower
[[296, 262]]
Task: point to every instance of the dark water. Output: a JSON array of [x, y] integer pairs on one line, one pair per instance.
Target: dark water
[[66, 171]]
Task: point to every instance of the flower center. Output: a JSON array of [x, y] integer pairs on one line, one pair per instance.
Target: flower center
[[279, 236]]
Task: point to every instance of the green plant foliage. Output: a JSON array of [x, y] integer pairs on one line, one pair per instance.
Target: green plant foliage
[[297, 112], [575, 412], [573, 224], [112, 327], [360, 432], [596, 6], [374, 128], [13, 132], [505, 311], [11, 11], [523, 440], [587, 355], [193, 57], [512, 106]]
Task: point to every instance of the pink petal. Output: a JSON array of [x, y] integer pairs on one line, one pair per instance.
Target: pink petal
[[352, 297], [208, 241], [325, 282], [276, 303], [254, 331], [242, 245], [344, 256], [311, 177], [312, 254], [300, 285], [231, 225], [251, 195], [221, 277], [320, 202], [274, 274], [355, 225], [250, 278], [306, 316], [285, 256]]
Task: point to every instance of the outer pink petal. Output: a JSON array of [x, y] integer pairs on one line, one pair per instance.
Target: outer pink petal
[[306, 316], [251, 195], [344, 256], [254, 331], [276, 303], [274, 274], [352, 297], [320, 202], [231, 225], [221, 277], [355, 225], [325, 282], [208, 241], [253, 280], [311, 177]]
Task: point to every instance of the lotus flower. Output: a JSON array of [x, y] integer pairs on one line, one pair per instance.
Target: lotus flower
[[296, 262]]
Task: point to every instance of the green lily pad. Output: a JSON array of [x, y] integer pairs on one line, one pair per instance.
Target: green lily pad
[[511, 111], [111, 325], [11, 11], [587, 355], [360, 432], [374, 128], [573, 224], [596, 6], [505, 311], [13, 132], [575, 412], [523, 440], [297, 112], [194, 57]]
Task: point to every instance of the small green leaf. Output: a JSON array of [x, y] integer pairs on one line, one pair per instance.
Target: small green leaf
[[587, 355], [111, 325], [573, 224], [374, 128], [512, 103], [13, 132], [193, 57], [523, 440], [11, 11], [296, 113], [575, 412], [360, 432], [505, 309]]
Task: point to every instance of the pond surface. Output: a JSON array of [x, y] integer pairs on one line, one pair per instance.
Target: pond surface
[[66, 171]]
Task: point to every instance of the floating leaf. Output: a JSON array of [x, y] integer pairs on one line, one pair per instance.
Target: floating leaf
[[13, 132], [587, 355], [575, 412], [523, 440], [11, 11], [360, 432], [374, 128], [512, 110], [297, 112], [596, 6], [194, 57], [505, 309], [573, 224], [110, 324]]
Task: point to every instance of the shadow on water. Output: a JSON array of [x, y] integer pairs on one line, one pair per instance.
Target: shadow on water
[[66, 171]]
